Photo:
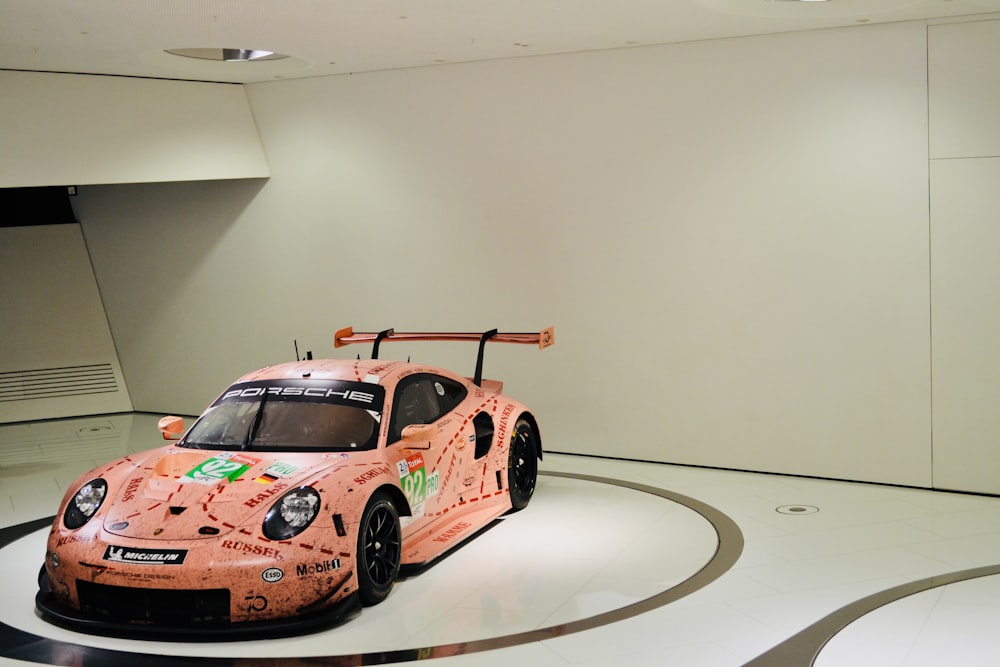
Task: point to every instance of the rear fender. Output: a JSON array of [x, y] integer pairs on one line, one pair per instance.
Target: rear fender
[[530, 418]]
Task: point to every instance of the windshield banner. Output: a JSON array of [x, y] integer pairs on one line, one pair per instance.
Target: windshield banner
[[354, 394]]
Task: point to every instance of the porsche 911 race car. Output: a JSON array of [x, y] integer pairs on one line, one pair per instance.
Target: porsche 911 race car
[[299, 492]]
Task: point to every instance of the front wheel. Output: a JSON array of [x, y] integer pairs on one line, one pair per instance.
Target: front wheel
[[379, 549], [522, 465]]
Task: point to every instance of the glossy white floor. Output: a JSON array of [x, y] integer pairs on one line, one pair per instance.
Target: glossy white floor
[[591, 544]]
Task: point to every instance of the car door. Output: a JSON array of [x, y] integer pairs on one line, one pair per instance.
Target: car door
[[428, 468]]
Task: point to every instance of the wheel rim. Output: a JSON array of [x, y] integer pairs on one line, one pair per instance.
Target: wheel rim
[[523, 462], [382, 547]]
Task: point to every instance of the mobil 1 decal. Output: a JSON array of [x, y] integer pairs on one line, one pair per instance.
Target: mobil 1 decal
[[416, 483], [363, 395], [226, 466]]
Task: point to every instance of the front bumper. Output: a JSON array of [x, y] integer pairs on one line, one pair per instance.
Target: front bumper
[[122, 622], [227, 585]]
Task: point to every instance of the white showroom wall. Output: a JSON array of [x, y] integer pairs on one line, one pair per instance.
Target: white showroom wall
[[731, 238], [964, 80]]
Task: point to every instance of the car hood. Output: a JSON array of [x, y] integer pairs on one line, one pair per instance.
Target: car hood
[[183, 494]]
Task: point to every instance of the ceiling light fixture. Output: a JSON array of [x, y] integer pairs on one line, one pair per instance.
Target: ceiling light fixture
[[228, 55]]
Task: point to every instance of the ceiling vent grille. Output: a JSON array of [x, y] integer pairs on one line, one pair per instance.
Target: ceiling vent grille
[[57, 382]]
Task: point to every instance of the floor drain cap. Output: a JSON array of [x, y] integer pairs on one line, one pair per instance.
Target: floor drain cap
[[797, 509]]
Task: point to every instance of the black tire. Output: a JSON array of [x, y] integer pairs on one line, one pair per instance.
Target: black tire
[[379, 549], [522, 464]]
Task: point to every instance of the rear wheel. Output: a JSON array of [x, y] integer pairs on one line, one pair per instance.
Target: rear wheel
[[522, 465], [379, 549]]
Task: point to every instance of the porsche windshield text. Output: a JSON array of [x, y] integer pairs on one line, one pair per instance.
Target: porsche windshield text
[[308, 392], [291, 415]]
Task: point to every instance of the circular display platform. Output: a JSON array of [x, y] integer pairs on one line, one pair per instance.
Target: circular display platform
[[588, 551]]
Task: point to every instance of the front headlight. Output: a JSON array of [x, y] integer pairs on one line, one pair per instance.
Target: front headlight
[[85, 503], [292, 514]]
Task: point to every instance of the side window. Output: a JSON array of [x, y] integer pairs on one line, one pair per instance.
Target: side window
[[422, 399], [450, 393]]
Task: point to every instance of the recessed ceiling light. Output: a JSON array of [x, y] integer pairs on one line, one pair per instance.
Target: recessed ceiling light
[[228, 55]]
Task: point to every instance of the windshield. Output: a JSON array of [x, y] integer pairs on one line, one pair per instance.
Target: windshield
[[291, 415]]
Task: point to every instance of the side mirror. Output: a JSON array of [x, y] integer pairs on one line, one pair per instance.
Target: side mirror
[[420, 435], [172, 428]]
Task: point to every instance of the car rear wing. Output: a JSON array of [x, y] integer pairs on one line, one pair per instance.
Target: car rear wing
[[544, 338]]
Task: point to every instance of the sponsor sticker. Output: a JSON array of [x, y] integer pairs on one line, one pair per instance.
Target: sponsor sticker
[[371, 474], [224, 467], [145, 556], [453, 532], [272, 575], [433, 484], [130, 490], [357, 394], [264, 495], [413, 480], [317, 568], [255, 549], [276, 471]]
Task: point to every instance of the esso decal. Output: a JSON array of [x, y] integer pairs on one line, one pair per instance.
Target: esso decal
[[272, 575]]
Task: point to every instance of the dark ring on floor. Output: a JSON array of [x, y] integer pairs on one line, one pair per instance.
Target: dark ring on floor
[[804, 647], [20, 645]]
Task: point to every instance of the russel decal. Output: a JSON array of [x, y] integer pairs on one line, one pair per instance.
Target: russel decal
[[224, 467], [145, 556], [255, 549]]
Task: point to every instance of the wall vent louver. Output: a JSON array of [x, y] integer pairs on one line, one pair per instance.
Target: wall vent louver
[[57, 382]]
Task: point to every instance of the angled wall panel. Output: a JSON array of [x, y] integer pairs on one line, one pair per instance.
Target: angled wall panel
[[75, 129], [57, 357]]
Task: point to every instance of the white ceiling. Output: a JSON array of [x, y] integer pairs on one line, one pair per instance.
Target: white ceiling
[[324, 37]]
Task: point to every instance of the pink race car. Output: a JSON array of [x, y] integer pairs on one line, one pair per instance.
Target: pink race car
[[299, 492]]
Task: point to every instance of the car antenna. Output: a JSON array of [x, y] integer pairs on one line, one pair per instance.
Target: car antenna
[[309, 354]]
